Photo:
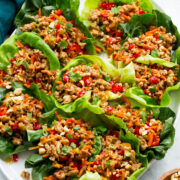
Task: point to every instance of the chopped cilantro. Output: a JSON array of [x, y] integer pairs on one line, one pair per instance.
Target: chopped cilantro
[[73, 145], [17, 63], [58, 151], [69, 136], [143, 116], [100, 71], [63, 44], [150, 70], [8, 130], [108, 164], [75, 77], [115, 10], [60, 22], [68, 26], [153, 90], [102, 28], [29, 115], [95, 100], [25, 64], [107, 78], [161, 37], [76, 128], [127, 154], [154, 53], [66, 150], [81, 145]]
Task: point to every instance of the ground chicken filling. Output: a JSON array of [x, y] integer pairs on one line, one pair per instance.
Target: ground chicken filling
[[156, 42], [106, 19], [61, 35], [155, 79], [70, 145], [80, 79], [140, 122], [18, 113], [29, 66]]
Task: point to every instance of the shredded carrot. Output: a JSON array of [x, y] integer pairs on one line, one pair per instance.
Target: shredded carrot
[[107, 29], [57, 17], [125, 16], [49, 178], [40, 12], [149, 33], [46, 155], [27, 85], [98, 49], [150, 139], [50, 92], [127, 61], [127, 101], [20, 44], [146, 46], [82, 169], [58, 117], [33, 148]]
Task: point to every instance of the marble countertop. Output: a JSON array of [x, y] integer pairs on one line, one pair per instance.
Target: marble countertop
[[172, 159]]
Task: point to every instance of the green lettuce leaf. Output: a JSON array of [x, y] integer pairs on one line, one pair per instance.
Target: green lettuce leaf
[[147, 60], [93, 4], [70, 12], [6, 146], [7, 51], [36, 42], [167, 117], [90, 176]]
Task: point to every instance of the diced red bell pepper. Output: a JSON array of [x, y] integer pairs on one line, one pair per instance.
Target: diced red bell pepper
[[104, 15], [154, 80], [70, 121], [58, 12], [52, 131], [12, 60], [77, 48], [116, 133], [37, 126], [121, 152], [141, 12], [15, 157], [66, 78], [81, 93], [38, 80], [97, 163], [136, 55], [87, 80], [137, 130], [58, 26], [116, 88], [2, 73], [157, 38], [15, 127], [107, 5], [72, 22], [131, 46], [109, 109]]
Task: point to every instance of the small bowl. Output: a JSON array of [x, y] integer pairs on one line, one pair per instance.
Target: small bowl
[[167, 175]]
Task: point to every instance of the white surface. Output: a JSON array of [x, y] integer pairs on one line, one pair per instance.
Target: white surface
[[172, 159]]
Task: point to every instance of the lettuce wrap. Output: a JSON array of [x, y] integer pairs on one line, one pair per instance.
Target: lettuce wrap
[[6, 145], [138, 94], [70, 12], [112, 71], [43, 167]]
